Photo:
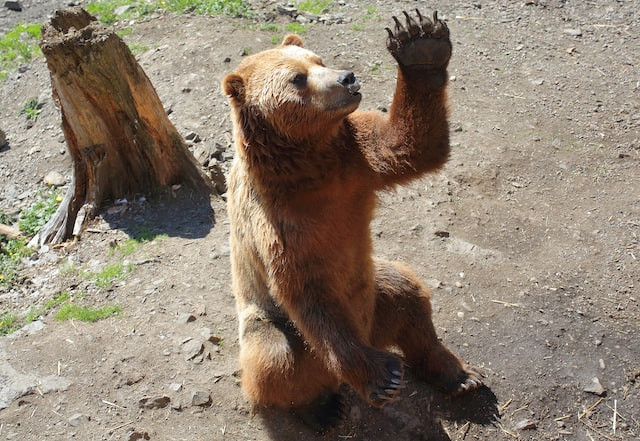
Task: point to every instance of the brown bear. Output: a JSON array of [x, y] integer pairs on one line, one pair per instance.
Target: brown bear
[[316, 310]]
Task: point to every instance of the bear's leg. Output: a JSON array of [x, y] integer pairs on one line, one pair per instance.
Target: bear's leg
[[279, 370], [403, 319]]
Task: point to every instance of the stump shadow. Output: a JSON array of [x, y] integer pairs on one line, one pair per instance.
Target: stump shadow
[[188, 215]]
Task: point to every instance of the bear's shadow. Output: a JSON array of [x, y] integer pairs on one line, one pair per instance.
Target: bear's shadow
[[417, 415]]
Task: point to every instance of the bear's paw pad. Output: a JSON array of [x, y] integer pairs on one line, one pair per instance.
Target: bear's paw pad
[[420, 42]]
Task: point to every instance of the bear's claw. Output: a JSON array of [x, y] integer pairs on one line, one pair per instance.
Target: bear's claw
[[472, 381], [387, 388], [420, 42]]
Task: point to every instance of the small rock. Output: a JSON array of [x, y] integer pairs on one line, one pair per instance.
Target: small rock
[[54, 179], [123, 9], [287, 10], [202, 154], [175, 387], [33, 327], [218, 150], [78, 418], [417, 228], [537, 82], [201, 310], [192, 349], [154, 403], [185, 318], [3, 138], [135, 436], [595, 388], [13, 6], [602, 365], [43, 99], [208, 336], [193, 137], [526, 425], [201, 399], [574, 32], [442, 233]]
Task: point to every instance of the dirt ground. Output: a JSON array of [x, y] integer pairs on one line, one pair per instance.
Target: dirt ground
[[528, 237]]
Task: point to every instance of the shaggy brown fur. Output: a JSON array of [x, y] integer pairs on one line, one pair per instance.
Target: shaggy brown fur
[[315, 309]]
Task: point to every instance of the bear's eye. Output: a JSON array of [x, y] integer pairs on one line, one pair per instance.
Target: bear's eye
[[299, 80]]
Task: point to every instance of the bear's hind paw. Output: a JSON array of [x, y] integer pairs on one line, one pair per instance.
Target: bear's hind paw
[[325, 413], [388, 385], [471, 381]]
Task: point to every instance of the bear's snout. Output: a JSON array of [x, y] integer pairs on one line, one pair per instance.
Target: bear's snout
[[349, 80]]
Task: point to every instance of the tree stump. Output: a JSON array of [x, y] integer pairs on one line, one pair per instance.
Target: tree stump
[[117, 131]]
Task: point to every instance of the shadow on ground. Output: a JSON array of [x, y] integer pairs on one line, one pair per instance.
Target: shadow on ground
[[183, 214], [417, 416]]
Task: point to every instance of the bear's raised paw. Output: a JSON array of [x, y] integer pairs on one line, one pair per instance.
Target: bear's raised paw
[[420, 43]]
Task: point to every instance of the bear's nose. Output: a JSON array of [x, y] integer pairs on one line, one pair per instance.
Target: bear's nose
[[349, 80]]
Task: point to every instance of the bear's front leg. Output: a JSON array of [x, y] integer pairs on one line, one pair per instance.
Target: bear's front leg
[[414, 138], [328, 326], [421, 46]]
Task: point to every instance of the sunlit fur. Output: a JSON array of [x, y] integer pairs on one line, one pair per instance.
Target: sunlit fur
[[315, 309]]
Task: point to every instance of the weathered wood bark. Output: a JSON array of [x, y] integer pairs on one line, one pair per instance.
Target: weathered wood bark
[[117, 131]]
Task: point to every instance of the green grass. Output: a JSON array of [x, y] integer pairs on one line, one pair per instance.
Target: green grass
[[127, 247], [270, 27], [296, 28], [11, 251], [316, 7], [105, 9], [111, 273], [124, 32], [58, 300], [19, 45], [276, 39], [8, 323], [65, 310], [70, 311], [30, 221], [38, 214], [137, 48], [31, 109], [234, 8]]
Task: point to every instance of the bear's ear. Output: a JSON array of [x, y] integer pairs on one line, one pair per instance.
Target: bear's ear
[[292, 40], [233, 86]]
